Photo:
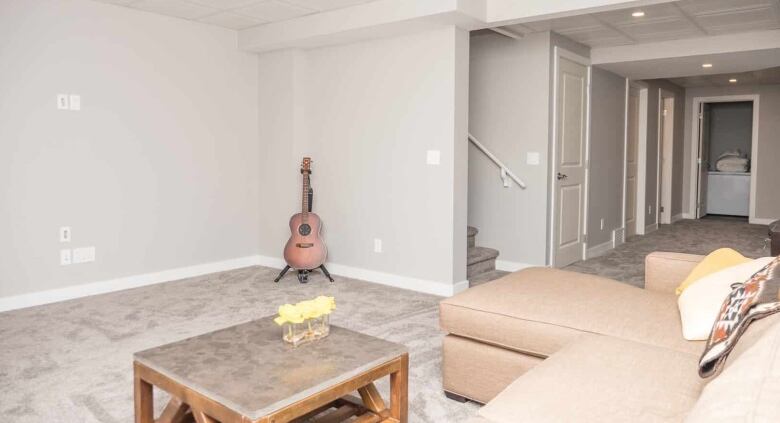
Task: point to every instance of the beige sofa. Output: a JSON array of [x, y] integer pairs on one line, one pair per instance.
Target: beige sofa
[[548, 345]]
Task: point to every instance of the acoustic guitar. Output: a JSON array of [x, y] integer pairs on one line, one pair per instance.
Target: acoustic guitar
[[305, 250]]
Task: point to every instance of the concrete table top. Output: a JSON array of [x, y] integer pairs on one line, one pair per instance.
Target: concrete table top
[[249, 369]]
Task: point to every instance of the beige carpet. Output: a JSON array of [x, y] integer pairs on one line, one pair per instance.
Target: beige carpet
[[71, 361]]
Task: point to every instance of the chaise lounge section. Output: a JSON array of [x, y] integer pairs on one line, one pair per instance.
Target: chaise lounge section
[[550, 345]]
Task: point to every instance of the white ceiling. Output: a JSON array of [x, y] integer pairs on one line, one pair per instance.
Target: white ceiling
[[236, 14], [678, 67], [666, 21], [769, 76]]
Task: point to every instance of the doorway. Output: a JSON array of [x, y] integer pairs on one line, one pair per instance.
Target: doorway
[[723, 163], [632, 160], [569, 172], [665, 156]]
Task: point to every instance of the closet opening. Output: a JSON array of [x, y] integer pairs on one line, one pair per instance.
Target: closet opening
[[725, 142]]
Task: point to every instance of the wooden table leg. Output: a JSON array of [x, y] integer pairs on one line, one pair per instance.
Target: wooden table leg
[[399, 394], [144, 401], [175, 412]]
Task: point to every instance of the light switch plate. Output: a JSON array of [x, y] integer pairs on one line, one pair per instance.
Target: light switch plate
[[75, 102], [533, 158], [377, 245], [62, 102], [433, 157], [83, 255]]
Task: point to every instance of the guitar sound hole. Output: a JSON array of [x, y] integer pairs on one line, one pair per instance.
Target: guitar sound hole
[[304, 229]]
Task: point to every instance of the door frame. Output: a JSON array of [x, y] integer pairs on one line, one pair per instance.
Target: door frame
[[641, 127], [559, 52], [664, 184], [641, 165], [694, 165]]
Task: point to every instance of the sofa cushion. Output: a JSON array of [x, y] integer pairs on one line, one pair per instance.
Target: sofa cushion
[[539, 310], [602, 379], [720, 259], [700, 303], [749, 387]]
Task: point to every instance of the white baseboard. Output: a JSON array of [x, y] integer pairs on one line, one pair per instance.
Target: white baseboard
[[761, 221], [688, 216], [405, 282], [599, 250], [651, 228], [511, 266], [128, 282], [678, 217], [119, 284]]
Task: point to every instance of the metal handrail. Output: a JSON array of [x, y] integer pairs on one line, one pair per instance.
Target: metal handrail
[[504, 170]]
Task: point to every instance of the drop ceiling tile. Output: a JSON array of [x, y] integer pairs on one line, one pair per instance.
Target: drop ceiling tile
[[653, 13], [225, 4], [582, 22], [323, 5], [696, 7], [177, 8], [231, 20], [274, 10], [755, 19], [668, 29]]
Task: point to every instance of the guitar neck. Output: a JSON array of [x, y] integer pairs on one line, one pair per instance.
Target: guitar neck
[[305, 197]]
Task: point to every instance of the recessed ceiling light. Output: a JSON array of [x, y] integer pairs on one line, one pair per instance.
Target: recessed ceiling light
[[638, 14], [733, 80], [706, 65]]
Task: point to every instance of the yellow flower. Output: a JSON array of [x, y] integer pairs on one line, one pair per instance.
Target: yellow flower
[[309, 309], [289, 313], [324, 304]]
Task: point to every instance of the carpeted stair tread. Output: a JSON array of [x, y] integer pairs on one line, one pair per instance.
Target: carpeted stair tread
[[480, 254]]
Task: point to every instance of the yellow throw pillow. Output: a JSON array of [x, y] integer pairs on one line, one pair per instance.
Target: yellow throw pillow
[[715, 261]]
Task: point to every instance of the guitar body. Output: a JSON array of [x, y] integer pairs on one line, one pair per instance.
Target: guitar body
[[305, 249]]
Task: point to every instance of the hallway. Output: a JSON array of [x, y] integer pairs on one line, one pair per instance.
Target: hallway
[[626, 262]]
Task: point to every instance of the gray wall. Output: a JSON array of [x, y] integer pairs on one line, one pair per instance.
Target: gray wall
[[768, 173], [508, 113], [607, 146], [159, 168], [367, 113], [730, 128]]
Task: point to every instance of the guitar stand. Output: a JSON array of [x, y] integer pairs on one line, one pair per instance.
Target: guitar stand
[[303, 274]]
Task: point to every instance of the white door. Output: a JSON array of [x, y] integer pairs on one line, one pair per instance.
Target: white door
[[569, 162], [703, 160], [632, 149]]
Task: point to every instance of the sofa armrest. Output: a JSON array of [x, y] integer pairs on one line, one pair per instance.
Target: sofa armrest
[[664, 272]]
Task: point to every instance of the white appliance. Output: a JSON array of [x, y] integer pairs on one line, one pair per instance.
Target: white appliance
[[728, 193]]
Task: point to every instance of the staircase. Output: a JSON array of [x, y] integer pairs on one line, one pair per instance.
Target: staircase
[[481, 264]]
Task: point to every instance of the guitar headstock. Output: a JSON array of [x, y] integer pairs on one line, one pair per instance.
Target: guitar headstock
[[306, 165]]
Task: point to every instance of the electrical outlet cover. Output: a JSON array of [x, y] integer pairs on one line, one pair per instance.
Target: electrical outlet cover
[[65, 257], [75, 102], [65, 234], [62, 101], [83, 255]]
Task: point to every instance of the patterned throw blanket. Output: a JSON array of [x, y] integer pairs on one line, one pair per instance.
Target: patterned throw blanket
[[749, 301]]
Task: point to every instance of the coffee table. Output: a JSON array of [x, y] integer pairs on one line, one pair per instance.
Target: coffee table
[[245, 373]]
